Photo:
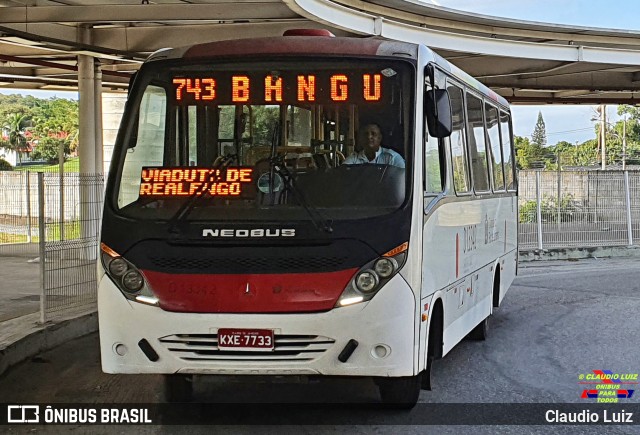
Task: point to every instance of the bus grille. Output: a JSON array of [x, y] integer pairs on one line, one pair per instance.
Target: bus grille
[[204, 347], [241, 265]]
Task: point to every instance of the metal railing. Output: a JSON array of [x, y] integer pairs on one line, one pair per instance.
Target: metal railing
[[69, 242], [573, 209], [56, 219]]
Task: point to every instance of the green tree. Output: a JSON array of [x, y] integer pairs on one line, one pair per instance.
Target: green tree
[[528, 155], [539, 135], [48, 149], [56, 117], [16, 127]]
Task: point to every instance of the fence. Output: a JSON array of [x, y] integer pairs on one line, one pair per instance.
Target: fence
[[55, 218], [578, 209], [70, 243]]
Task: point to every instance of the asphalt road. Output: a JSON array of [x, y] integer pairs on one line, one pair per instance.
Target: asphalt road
[[558, 320]]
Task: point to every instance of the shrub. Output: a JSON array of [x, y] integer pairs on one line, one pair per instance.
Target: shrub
[[570, 210], [47, 149], [5, 166]]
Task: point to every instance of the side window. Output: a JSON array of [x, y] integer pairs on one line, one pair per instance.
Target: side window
[[507, 156], [147, 146], [493, 135], [432, 158], [432, 165], [476, 142], [457, 141]]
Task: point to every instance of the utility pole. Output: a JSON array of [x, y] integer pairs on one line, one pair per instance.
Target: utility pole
[[624, 143], [603, 132]]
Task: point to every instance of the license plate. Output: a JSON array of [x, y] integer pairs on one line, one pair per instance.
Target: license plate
[[245, 339]]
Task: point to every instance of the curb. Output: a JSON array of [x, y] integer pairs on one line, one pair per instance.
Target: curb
[[24, 337], [578, 253]]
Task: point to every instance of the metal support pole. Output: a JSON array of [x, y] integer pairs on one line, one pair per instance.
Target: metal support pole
[[28, 178], [628, 203], [559, 187], [61, 182], [624, 144], [539, 209], [41, 245], [603, 129]]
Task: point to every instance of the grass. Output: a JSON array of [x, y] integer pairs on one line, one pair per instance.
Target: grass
[[71, 165], [13, 238], [71, 231]]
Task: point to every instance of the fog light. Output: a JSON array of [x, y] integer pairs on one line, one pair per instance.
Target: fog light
[[120, 349], [380, 351]]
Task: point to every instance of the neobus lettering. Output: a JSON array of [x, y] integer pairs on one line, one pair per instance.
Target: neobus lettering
[[256, 232]]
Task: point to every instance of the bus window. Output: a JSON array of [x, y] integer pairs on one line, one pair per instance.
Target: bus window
[[507, 155], [476, 142], [457, 141], [146, 147], [493, 135], [433, 172]]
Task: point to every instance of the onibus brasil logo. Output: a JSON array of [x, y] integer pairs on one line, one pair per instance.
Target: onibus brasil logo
[[608, 387]]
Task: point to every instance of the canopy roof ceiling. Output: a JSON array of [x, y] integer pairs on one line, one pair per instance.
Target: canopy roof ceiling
[[526, 62]]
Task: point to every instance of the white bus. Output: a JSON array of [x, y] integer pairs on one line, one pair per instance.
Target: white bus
[[252, 226]]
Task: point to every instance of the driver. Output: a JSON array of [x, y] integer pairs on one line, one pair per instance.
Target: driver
[[369, 139]]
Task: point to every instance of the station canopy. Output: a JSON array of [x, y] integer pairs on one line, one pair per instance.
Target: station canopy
[[526, 62]]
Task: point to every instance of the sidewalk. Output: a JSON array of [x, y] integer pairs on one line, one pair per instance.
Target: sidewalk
[[21, 334], [19, 287]]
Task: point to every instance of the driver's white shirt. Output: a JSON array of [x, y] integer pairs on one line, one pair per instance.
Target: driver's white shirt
[[384, 156]]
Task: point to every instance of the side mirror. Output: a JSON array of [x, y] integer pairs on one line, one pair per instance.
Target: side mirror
[[439, 119]]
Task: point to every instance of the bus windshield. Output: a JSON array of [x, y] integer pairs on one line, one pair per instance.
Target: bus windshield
[[267, 141]]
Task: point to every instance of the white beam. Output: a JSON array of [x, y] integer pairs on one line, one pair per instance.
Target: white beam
[[228, 10], [349, 19]]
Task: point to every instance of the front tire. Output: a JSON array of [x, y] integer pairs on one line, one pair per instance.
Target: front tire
[[178, 388], [401, 393]]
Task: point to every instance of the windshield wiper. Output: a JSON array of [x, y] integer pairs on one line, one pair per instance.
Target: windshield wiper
[[319, 221], [186, 208]]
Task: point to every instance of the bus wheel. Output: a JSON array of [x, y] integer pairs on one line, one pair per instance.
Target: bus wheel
[[480, 332], [401, 393], [178, 388]]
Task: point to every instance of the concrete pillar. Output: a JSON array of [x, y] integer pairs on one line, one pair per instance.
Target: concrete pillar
[[87, 114], [90, 196], [97, 98]]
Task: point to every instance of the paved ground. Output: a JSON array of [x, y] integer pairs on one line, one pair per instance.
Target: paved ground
[[559, 320], [19, 287]]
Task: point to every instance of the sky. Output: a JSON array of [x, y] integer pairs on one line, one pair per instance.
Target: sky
[[571, 123]]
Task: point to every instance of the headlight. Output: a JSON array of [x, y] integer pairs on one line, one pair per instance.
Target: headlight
[[126, 276], [367, 281], [132, 281], [385, 267], [373, 276], [118, 266]]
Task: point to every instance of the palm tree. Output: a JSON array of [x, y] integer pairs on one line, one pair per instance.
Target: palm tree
[[16, 128]]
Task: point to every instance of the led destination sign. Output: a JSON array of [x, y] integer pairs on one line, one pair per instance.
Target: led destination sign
[[276, 88], [227, 182]]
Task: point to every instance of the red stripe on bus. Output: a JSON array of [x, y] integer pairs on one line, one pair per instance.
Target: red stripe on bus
[[248, 293]]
